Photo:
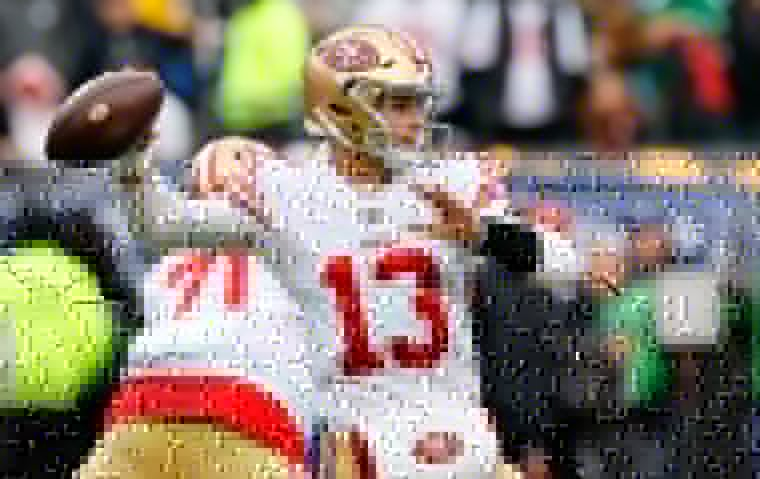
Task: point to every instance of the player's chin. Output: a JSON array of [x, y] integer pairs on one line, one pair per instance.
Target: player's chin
[[406, 142]]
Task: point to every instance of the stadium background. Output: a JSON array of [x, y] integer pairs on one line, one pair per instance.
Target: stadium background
[[674, 78]]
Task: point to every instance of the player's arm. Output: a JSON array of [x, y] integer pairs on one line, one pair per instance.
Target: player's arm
[[218, 208], [221, 208], [493, 197], [458, 221], [464, 220], [104, 122]]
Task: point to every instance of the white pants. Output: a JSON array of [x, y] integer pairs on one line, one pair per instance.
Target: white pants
[[392, 428]]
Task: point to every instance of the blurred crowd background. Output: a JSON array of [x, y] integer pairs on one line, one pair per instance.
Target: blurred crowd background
[[667, 78], [533, 73]]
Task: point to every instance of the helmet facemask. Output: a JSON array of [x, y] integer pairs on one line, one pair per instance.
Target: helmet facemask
[[383, 136]]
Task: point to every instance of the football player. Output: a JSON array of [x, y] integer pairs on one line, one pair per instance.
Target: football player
[[380, 228], [371, 236], [388, 221], [218, 382]]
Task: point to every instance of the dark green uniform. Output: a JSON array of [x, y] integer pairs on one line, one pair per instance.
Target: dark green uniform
[[648, 369]]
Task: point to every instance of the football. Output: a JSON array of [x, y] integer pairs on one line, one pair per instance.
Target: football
[[105, 117]]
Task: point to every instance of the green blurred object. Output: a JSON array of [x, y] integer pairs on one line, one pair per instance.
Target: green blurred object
[[262, 72], [647, 369], [57, 327], [753, 326], [710, 16], [756, 360]]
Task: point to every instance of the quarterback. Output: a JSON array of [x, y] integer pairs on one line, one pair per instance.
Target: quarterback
[[389, 221]]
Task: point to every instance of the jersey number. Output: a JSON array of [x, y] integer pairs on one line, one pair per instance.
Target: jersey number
[[361, 356], [190, 274]]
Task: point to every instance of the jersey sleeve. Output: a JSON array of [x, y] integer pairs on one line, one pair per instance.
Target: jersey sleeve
[[169, 219], [174, 220]]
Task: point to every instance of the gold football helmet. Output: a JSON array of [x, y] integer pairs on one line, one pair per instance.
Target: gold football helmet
[[350, 72]]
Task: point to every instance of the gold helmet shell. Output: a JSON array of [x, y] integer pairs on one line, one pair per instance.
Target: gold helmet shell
[[347, 75]]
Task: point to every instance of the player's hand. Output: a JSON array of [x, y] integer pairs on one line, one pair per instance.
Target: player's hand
[[457, 221], [32, 80], [226, 169], [606, 273], [551, 218]]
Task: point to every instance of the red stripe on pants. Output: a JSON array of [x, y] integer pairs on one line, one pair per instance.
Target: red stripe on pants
[[242, 407]]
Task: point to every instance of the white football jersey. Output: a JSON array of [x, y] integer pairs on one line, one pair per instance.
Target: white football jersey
[[387, 308], [227, 311]]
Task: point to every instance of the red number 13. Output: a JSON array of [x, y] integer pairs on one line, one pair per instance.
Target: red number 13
[[361, 356]]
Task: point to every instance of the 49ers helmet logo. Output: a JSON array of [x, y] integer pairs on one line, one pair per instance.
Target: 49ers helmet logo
[[351, 55], [419, 52]]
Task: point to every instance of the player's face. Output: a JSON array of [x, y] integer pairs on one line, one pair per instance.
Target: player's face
[[406, 117]]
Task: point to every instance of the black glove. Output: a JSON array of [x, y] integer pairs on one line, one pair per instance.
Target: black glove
[[513, 246]]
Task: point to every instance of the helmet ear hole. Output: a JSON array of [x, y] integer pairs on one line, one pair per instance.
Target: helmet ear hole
[[388, 63], [339, 110], [349, 85]]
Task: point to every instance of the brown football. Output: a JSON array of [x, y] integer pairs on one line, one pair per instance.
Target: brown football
[[105, 117]]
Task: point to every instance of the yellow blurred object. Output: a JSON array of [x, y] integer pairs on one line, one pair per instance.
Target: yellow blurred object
[[669, 164], [501, 160], [174, 17], [508, 471], [504, 155], [747, 173]]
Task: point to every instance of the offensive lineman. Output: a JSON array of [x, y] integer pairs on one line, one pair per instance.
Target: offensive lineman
[[219, 383]]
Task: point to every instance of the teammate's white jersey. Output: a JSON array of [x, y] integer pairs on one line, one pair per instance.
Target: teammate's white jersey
[[225, 310], [387, 308]]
